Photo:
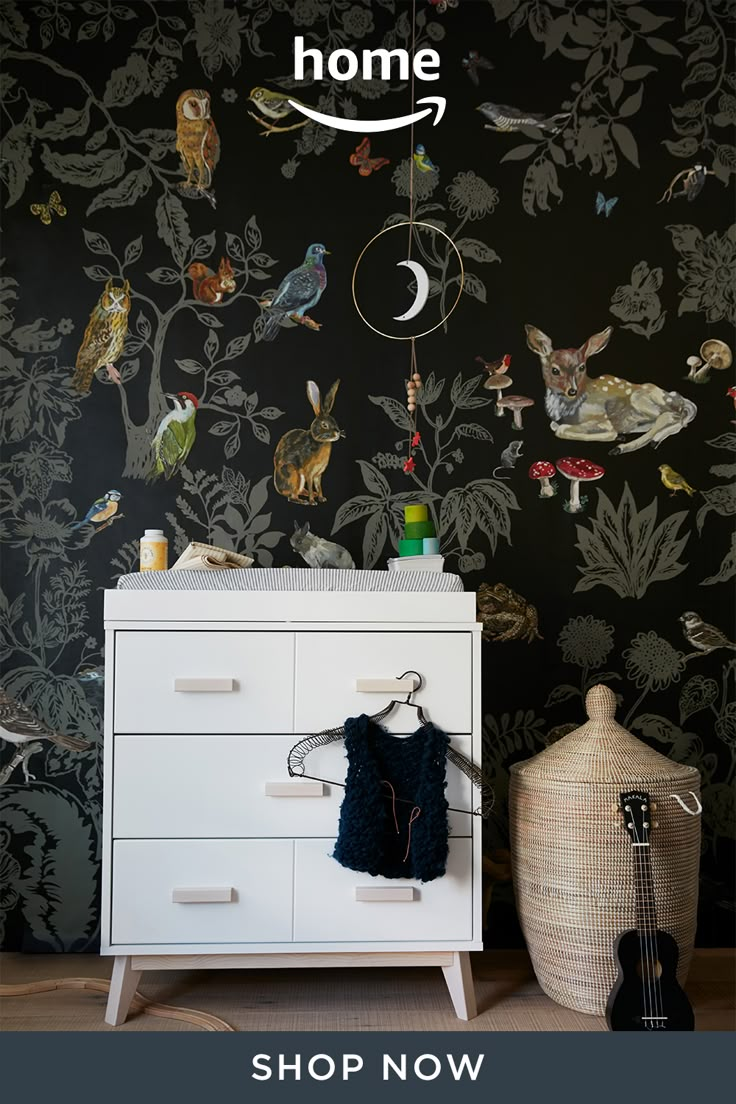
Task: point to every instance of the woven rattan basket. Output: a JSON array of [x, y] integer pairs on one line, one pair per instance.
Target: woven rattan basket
[[572, 858]]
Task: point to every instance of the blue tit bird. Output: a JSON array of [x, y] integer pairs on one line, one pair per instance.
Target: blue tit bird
[[101, 512], [297, 293], [423, 161]]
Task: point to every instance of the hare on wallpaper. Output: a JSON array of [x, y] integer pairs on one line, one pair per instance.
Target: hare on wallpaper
[[318, 552], [303, 454]]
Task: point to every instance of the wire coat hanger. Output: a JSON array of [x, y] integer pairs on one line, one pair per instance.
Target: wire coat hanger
[[299, 752]]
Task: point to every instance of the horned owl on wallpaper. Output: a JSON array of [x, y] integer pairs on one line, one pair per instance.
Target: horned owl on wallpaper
[[198, 143], [104, 337]]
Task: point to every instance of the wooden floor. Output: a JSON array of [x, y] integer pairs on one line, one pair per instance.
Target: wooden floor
[[509, 998]]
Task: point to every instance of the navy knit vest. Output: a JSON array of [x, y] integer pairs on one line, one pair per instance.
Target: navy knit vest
[[414, 766]]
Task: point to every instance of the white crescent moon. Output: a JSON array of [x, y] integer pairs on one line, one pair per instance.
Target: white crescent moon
[[422, 290]]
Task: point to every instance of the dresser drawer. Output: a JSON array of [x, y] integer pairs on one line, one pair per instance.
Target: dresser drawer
[[199, 786], [173, 682], [329, 663], [201, 891], [332, 903]]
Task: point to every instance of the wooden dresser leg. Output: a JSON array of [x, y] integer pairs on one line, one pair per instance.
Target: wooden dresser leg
[[459, 978], [123, 985]]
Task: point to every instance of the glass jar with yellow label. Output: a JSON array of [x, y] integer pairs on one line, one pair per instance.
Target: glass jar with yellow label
[[154, 550]]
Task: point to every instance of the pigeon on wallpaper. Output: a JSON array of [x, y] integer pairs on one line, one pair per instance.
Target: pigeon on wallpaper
[[504, 118], [175, 436], [703, 637], [675, 482], [423, 161], [101, 512], [19, 726], [297, 293], [104, 337]]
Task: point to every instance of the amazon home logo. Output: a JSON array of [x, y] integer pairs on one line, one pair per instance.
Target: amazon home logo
[[343, 65]]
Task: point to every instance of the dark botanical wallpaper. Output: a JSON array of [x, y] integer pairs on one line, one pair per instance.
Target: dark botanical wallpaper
[[157, 191]]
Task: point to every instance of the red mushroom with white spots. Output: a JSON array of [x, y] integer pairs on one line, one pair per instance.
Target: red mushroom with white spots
[[578, 471], [543, 471]]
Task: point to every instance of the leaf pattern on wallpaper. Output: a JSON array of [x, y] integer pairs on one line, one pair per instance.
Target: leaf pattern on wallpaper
[[469, 197], [54, 879], [479, 510], [228, 510], [704, 121], [615, 46], [626, 550]]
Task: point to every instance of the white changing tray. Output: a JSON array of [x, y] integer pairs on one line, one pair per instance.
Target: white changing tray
[[294, 579]]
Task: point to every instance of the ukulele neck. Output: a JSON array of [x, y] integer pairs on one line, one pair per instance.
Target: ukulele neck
[[646, 913]]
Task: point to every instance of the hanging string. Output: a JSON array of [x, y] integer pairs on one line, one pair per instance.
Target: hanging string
[[414, 382]]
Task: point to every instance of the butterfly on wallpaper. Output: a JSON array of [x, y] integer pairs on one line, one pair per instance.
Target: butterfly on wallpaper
[[603, 205], [43, 210], [363, 161], [472, 63]]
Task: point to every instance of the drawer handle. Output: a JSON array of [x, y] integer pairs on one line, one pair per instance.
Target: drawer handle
[[202, 895], [204, 685], [386, 893], [386, 685], [294, 789]]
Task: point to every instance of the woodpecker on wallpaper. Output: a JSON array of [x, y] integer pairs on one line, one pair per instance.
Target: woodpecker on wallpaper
[[620, 590]]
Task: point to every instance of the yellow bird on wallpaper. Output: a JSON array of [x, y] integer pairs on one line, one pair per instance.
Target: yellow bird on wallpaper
[[197, 141], [104, 337], [675, 482]]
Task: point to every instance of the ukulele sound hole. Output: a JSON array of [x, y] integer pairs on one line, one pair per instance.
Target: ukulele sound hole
[[649, 971]]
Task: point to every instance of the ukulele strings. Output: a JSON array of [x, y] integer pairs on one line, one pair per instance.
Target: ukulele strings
[[651, 905], [641, 927]]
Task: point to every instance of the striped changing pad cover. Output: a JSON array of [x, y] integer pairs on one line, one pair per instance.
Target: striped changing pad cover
[[293, 578]]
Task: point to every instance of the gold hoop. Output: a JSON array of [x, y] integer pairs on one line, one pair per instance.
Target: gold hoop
[[403, 226]]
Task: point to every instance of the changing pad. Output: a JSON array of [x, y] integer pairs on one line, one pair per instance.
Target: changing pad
[[293, 578]]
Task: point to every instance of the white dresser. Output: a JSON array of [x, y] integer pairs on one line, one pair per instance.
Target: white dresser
[[213, 856]]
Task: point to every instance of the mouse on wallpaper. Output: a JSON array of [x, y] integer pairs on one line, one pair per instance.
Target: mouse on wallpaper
[[509, 456]]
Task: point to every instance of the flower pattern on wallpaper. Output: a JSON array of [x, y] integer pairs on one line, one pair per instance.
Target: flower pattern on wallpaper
[[89, 94], [637, 303]]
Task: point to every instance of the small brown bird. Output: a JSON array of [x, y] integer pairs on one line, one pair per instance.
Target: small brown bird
[[19, 726], [703, 637], [675, 482], [496, 367]]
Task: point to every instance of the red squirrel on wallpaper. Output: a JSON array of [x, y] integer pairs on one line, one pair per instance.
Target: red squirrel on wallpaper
[[208, 287]]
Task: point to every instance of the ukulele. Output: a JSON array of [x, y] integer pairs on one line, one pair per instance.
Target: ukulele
[[646, 995]]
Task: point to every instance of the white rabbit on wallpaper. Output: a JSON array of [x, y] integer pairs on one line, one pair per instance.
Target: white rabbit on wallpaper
[[318, 552]]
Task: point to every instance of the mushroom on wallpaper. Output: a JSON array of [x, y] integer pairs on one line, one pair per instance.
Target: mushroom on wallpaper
[[543, 471], [578, 471], [514, 403], [714, 354]]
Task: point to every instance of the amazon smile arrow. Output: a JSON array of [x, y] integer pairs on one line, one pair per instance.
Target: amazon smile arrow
[[368, 126]]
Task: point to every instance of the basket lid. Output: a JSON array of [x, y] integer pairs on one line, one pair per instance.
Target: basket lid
[[601, 751]]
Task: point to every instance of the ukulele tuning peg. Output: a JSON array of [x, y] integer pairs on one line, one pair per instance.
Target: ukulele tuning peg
[[655, 824], [653, 807]]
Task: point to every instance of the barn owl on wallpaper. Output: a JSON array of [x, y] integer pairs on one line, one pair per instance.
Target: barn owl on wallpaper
[[197, 141]]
